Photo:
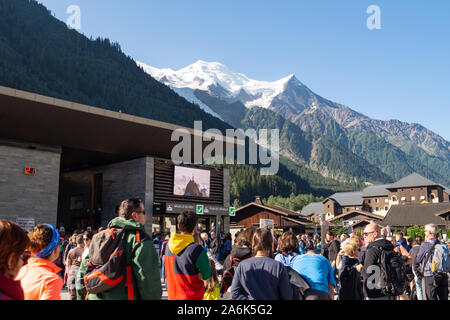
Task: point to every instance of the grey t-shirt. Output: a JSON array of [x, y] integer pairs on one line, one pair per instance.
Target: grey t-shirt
[[261, 278]]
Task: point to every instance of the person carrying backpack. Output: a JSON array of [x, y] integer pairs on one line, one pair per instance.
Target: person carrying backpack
[[433, 264], [241, 250], [350, 284], [383, 272], [122, 263]]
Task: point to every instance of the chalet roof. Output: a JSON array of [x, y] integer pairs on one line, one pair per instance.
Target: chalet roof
[[376, 191], [347, 198], [282, 211], [413, 180], [312, 208], [299, 221], [357, 215], [416, 214]]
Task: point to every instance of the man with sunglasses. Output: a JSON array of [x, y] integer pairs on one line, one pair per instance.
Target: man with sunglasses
[[142, 280], [371, 268]]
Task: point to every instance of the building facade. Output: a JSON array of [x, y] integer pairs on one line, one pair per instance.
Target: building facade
[[71, 165]]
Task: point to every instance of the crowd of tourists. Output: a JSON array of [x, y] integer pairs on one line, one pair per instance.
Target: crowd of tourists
[[123, 262]]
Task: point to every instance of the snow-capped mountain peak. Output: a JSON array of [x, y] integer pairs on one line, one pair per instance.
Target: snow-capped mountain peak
[[288, 97], [219, 80]]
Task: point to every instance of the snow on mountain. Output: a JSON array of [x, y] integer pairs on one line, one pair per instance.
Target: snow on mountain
[[291, 99], [217, 79]]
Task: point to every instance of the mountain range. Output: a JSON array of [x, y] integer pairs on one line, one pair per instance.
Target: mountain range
[[40, 54], [323, 149], [327, 137]]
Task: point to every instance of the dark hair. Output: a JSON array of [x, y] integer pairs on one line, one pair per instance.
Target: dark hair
[[88, 235], [288, 243], [262, 240], [79, 239], [418, 240], [13, 242], [310, 246], [330, 233], [186, 221], [245, 237], [127, 207]]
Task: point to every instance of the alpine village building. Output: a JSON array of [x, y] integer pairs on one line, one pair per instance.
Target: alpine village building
[[412, 200]]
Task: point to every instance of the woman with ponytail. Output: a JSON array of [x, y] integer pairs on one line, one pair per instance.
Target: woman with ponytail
[[39, 277]]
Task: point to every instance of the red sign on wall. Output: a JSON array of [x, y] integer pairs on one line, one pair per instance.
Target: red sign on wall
[[30, 171]]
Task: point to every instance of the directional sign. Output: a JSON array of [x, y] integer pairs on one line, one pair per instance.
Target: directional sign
[[232, 211], [199, 208]]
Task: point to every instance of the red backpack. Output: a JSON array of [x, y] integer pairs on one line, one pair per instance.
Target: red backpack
[[106, 266]]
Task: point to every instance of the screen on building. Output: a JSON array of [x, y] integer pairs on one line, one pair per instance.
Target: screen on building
[[190, 182]]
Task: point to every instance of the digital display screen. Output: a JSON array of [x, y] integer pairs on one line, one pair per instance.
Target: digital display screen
[[190, 182], [30, 171]]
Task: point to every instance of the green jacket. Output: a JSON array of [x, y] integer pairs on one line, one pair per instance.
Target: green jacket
[[144, 261]]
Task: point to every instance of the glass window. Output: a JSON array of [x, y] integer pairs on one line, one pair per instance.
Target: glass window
[[170, 225], [202, 224], [156, 224]]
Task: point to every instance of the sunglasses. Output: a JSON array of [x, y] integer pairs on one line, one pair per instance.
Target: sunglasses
[[365, 234]]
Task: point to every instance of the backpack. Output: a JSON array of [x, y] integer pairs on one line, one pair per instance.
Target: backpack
[[299, 284], [440, 261], [438, 256], [228, 275], [350, 285], [106, 265], [393, 279]]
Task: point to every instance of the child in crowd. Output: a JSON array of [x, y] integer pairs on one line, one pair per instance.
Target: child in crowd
[[212, 287]]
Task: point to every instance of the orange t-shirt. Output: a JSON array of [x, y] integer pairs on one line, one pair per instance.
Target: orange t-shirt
[[39, 280]]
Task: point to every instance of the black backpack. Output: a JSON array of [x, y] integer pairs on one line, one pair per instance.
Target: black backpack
[[299, 284], [228, 275], [393, 278], [350, 285]]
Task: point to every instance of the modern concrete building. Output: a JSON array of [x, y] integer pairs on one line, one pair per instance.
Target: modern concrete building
[[71, 165]]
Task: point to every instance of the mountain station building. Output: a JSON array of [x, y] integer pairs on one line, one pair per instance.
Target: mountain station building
[[71, 165]]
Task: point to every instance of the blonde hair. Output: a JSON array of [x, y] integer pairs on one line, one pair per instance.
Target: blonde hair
[[351, 246], [213, 280]]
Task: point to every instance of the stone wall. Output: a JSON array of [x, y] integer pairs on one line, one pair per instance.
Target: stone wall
[[29, 196], [123, 180]]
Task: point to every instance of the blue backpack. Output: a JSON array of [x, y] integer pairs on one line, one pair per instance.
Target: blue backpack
[[440, 261]]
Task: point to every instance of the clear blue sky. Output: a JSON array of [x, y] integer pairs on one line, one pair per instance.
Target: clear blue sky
[[399, 72]]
